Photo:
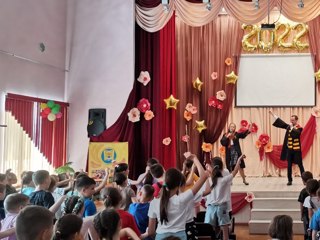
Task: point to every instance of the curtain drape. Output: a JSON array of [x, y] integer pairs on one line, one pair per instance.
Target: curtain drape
[[155, 53], [152, 17], [200, 52]]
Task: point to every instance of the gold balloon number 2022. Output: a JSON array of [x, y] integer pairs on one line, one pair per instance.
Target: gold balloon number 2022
[[256, 38]]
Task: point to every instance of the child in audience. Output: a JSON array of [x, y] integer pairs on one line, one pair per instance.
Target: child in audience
[[281, 228], [315, 221], [85, 187], [157, 172], [27, 185], [108, 225], [112, 199], [312, 203], [68, 228], [3, 181], [220, 195], [11, 179], [34, 223], [127, 193], [2, 192], [41, 196], [188, 170], [13, 204], [140, 209], [170, 209], [124, 168], [302, 196], [148, 178]]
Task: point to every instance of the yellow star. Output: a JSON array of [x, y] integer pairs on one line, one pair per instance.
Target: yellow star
[[317, 75], [171, 102], [231, 78], [200, 126], [197, 84]]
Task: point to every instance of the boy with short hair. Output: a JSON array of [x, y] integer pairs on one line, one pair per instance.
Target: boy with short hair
[[140, 209], [86, 188], [126, 192], [13, 204], [157, 172], [34, 223], [41, 196]]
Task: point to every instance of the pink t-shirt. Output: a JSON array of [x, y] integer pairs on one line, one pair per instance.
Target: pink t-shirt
[[157, 187]]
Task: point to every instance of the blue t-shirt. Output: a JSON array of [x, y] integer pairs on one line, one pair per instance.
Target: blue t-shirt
[[315, 221], [27, 190], [89, 208], [140, 214]]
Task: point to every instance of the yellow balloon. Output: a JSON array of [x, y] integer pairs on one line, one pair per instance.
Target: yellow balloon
[[303, 30], [43, 106], [200, 126], [197, 84], [171, 102], [250, 36], [231, 78], [317, 75]]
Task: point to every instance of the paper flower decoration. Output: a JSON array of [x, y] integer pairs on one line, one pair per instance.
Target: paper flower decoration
[[206, 147], [189, 107], [220, 105], [187, 115], [185, 138], [228, 61], [317, 75], [244, 123], [194, 110], [144, 77], [197, 84], [212, 102], [254, 128], [134, 115], [263, 144], [214, 75], [148, 115], [231, 78], [222, 151], [250, 197], [200, 126], [143, 105], [315, 112], [221, 95], [166, 141], [171, 102]]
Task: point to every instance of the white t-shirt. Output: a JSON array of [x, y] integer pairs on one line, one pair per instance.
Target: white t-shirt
[[176, 212], [222, 191], [191, 211], [314, 200]]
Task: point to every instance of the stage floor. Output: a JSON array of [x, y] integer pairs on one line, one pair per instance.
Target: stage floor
[[267, 184]]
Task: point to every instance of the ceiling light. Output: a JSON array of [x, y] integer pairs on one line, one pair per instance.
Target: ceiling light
[[300, 4]]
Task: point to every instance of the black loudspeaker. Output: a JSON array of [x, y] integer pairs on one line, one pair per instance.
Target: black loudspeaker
[[97, 121]]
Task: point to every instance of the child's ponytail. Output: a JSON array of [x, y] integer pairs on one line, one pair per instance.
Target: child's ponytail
[[216, 170]]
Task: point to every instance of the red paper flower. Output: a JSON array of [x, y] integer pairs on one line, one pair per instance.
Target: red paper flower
[[254, 128], [213, 102], [244, 123], [242, 129], [219, 105], [143, 105], [264, 139], [185, 138], [249, 197]]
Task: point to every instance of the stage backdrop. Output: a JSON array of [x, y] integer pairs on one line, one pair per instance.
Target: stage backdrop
[[104, 155]]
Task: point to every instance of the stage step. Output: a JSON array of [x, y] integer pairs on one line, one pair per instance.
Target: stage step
[[267, 214], [276, 202], [262, 226], [266, 205]]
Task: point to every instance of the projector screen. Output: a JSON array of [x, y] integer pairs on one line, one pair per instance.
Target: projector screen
[[275, 80]]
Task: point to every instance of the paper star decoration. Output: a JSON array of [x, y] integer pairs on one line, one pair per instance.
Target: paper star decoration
[[197, 84], [171, 102], [317, 75], [200, 126], [231, 78]]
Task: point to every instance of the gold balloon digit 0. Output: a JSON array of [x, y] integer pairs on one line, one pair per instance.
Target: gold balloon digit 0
[[264, 33], [302, 31], [246, 44], [280, 40]]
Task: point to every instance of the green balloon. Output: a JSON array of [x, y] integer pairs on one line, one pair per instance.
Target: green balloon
[[57, 106], [50, 104], [55, 109]]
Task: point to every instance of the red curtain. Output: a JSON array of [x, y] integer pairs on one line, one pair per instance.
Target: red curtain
[[155, 53], [49, 137], [307, 137]]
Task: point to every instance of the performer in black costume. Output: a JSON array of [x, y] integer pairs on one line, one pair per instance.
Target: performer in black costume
[[230, 141], [291, 148]]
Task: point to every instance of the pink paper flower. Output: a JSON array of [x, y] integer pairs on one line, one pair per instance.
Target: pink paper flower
[[249, 197], [148, 115], [144, 77], [185, 138], [194, 110], [134, 115], [166, 141], [221, 95], [189, 107], [214, 75], [143, 105]]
